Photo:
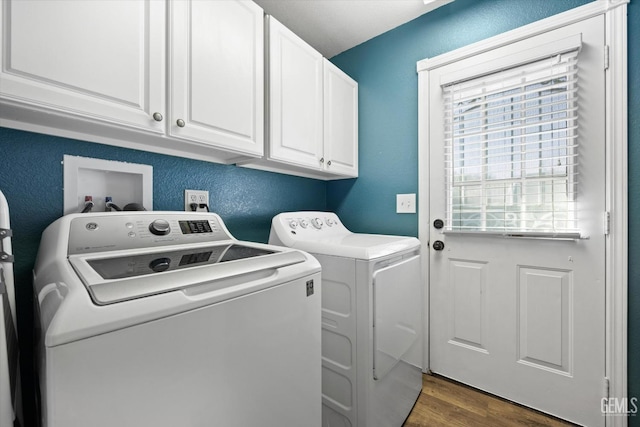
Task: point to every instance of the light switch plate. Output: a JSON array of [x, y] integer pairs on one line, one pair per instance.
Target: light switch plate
[[406, 203]]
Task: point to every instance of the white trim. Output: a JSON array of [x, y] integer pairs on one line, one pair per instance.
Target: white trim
[[581, 13], [423, 202], [615, 12], [617, 179]]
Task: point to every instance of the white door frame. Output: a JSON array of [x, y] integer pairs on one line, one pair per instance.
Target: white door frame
[[616, 146]]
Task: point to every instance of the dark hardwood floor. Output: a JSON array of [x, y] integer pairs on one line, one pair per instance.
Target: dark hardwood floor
[[447, 403]]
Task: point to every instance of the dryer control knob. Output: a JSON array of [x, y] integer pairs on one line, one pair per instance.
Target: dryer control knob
[[293, 224], [304, 223], [160, 227], [330, 222], [317, 223]]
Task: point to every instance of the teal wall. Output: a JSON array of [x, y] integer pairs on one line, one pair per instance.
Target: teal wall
[[31, 180], [385, 68]]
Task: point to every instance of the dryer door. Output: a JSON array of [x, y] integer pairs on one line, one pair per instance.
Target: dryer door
[[396, 313]]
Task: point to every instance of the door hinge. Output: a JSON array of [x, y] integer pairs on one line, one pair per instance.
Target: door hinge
[[606, 57], [606, 388], [607, 223]]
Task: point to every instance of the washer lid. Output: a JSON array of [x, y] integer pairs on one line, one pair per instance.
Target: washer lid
[[125, 275], [125, 266], [359, 246]]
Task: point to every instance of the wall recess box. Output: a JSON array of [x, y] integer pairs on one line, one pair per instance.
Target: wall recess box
[[124, 182]]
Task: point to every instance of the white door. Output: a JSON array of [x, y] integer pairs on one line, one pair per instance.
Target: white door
[[295, 99], [340, 121], [519, 312], [96, 59], [217, 74]]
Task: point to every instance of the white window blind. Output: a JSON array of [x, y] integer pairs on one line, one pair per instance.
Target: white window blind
[[511, 150]]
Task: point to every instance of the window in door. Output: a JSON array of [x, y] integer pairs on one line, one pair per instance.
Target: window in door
[[511, 149]]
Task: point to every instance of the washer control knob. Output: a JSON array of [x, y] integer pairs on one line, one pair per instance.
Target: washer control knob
[[159, 265], [317, 223], [304, 223], [293, 224], [160, 227], [330, 222]]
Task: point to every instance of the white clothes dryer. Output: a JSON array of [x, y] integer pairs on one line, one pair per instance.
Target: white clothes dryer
[[9, 354], [371, 318], [163, 319]]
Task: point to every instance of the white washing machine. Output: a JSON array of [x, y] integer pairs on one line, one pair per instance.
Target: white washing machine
[[163, 319], [371, 318]]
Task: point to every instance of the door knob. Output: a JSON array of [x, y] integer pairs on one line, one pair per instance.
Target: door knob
[[438, 245], [157, 117]]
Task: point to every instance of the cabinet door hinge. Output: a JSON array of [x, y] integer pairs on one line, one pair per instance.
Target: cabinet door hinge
[[606, 390], [607, 223], [606, 57]]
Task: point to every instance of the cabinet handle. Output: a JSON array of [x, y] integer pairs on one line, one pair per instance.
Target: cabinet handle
[[329, 163], [180, 123], [157, 117], [322, 160]]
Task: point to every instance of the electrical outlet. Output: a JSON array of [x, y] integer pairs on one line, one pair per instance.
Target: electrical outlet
[[199, 197], [406, 203]]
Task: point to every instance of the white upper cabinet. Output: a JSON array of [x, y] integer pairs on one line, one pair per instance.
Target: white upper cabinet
[[95, 59], [179, 77], [340, 122], [312, 125], [97, 70], [217, 73], [295, 99]]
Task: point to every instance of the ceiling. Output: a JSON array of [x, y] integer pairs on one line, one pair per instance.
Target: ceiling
[[333, 26]]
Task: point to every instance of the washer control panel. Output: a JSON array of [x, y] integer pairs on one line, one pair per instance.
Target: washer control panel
[[126, 230]]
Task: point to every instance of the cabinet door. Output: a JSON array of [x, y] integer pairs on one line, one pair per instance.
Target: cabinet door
[[295, 104], [217, 74], [340, 121], [97, 59]]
